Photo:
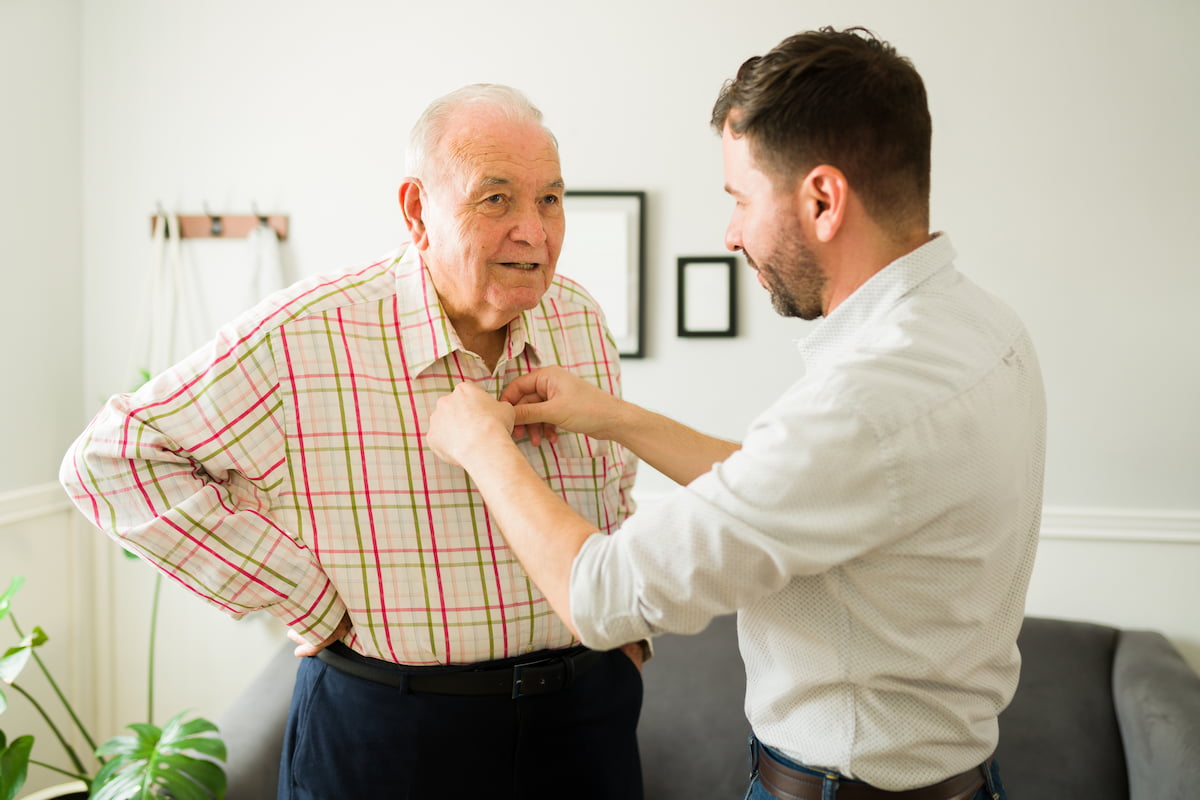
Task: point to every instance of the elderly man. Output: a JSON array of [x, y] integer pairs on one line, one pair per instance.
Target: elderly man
[[876, 529], [285, 467]]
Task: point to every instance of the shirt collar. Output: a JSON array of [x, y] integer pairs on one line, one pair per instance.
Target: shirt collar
[[427, 334], [882, 291]]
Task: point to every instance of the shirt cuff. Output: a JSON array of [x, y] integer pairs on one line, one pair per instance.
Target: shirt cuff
[[604, 606], [313, 610]]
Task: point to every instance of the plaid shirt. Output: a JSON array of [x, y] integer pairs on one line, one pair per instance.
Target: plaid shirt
[[282, 467]]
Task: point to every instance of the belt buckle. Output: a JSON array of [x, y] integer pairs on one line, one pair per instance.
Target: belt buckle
[[538, 677]]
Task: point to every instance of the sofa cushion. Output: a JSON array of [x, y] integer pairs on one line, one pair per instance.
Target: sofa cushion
[[1059, 737], [1157, 697], [253, 729]]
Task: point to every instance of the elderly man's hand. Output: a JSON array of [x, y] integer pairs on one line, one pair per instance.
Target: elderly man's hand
[[465, 419], [304, 649]]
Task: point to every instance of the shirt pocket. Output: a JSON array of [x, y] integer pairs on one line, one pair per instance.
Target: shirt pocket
[[587, 484]]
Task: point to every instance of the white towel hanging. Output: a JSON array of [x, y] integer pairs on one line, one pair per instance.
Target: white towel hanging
[[153, 344], [195, 287], [266, 261]]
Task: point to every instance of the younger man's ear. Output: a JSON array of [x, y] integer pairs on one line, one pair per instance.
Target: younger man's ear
[[824, 193], [412, 204]]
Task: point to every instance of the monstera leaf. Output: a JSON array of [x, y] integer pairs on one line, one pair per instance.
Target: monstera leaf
[[13, 660], [178, 761], [14, 764], [6, 599]]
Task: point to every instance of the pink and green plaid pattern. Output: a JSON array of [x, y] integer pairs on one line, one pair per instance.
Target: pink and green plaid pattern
[[283, 467]]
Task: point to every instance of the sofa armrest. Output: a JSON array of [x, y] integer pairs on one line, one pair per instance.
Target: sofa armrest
[[1157, 699], [253, 728]]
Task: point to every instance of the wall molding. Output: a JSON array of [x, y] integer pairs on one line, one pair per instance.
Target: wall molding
[[1137, 526], [1094, 524], [32, 502]]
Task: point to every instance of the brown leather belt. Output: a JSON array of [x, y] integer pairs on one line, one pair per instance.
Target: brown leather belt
[[539, 673], [787, 783]]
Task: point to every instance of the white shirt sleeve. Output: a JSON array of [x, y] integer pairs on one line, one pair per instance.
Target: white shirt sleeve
[[810, 488]]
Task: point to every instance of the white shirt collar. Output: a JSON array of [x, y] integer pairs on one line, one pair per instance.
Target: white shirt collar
[[876, 296]]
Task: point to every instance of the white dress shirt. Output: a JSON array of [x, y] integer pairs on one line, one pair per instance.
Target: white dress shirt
[[875, 533]]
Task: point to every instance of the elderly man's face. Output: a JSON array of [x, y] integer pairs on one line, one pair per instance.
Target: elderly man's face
[[493, 213]]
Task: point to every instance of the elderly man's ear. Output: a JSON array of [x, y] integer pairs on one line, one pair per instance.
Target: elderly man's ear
[[412, 205]]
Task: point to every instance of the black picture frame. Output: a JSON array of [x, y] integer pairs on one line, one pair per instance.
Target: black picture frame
[[706, 296], [605, 251]]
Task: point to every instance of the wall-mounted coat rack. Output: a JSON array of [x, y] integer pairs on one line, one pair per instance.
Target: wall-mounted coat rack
[[224, 226]]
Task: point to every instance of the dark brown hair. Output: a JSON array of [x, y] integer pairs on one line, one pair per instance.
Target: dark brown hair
[[843, 98]]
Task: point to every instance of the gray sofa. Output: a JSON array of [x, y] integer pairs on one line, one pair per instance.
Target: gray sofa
[[1100, 713]]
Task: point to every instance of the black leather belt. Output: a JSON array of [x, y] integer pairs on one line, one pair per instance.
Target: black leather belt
[[543, 673], [786, 783]]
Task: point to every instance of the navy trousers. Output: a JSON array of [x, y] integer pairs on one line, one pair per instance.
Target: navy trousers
[[349, 738]]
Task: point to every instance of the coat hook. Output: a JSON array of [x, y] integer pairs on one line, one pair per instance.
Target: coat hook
[[262, 218]]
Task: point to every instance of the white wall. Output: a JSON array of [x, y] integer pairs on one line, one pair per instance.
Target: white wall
[[1064, 169], [40, 224], [41, 345]]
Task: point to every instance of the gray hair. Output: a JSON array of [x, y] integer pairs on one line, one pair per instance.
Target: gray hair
[[430, 127]]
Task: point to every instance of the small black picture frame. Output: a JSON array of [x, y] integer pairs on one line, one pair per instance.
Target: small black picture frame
[[707, 296]]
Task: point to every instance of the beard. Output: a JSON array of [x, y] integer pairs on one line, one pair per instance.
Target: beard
[[793, 277]]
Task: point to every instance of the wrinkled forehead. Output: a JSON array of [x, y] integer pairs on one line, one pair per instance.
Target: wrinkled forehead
[[495, 150]]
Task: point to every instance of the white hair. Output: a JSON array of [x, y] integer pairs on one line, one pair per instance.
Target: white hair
[[429, 129]]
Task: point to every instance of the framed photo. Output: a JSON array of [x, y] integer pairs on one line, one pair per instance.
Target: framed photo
[[604, 250], [707, 295]]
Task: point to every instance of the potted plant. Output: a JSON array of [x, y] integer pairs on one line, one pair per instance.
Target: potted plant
[[180, 760]]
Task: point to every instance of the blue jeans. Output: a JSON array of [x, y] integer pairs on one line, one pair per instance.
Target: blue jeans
[[993, 789]]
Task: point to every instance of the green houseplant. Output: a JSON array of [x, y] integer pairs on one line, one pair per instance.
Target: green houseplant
[[180, 760]]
